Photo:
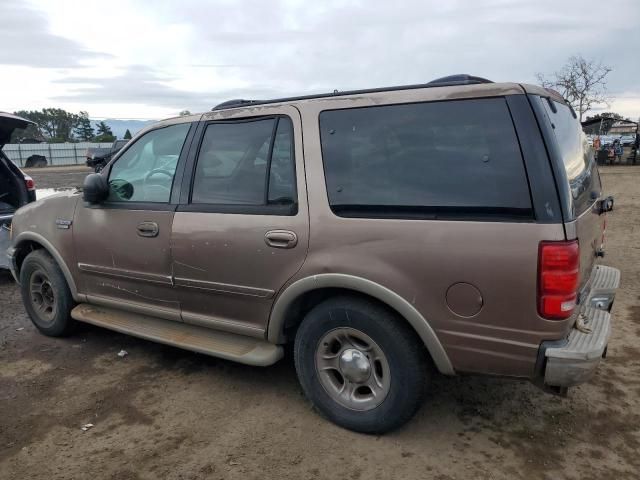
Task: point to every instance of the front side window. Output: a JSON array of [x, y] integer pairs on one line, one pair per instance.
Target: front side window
[[424, 159], [145, 171], [247, 162]]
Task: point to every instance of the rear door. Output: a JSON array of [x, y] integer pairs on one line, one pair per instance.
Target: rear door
[[580, 182], [242, 228]]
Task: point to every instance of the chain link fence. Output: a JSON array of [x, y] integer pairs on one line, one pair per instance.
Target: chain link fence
[[53, 153]]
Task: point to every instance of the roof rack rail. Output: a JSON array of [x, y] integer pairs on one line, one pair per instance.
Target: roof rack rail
[[236, 102], [457, 79], [451, 80]]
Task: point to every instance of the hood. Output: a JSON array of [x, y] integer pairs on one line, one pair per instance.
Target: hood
[[8, 123]]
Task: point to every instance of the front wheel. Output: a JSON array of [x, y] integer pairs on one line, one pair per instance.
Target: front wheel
[[360, 365], [46, 295]]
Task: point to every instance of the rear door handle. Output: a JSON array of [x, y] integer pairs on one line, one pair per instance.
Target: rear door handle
[[281, 238], [148, 229]]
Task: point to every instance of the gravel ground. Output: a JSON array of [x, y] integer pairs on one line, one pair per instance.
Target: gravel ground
[[161, 412], [58, 177]]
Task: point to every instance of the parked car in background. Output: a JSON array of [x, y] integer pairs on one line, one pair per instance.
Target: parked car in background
[[16, 188], [455, 225], [97, 158], [36, 161], [627, 140]]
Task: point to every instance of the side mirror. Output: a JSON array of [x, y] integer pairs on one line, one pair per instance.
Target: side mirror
[[95, 189]]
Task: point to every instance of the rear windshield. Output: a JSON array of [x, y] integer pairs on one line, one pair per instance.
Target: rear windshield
[[577, 156], [438, 159]]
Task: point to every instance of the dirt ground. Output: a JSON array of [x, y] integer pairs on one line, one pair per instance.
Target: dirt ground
[[161, 412], [58, 177]]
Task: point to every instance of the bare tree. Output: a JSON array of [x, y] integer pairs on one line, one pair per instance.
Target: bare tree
[[581, 82]]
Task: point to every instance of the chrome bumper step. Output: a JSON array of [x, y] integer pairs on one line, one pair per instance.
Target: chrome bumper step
[[576, 360], [582, 345], [239, 348], [604, 283]]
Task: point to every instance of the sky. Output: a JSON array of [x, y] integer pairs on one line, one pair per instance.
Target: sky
[[151, 59]]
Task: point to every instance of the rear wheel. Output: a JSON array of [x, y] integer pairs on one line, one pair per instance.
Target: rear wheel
[[46, 295], [360, 365]]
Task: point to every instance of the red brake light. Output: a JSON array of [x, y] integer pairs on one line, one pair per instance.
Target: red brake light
[[29, 183], [558, 275]]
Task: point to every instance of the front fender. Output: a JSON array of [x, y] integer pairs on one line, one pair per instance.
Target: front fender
[[48, 224], [27, 238]]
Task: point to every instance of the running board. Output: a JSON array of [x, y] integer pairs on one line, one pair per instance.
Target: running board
[[238, 348]]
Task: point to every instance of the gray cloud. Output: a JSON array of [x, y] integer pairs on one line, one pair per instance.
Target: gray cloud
[[25, 40], [142, 85], [281, 48], [352, 44]]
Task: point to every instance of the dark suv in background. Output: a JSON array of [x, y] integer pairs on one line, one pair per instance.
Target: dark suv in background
[[97, 158], [454, 225], [16, 188]]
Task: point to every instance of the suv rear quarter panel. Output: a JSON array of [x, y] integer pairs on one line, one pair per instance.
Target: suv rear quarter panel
[[421, 259]]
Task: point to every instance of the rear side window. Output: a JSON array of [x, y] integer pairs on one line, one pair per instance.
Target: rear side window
[[577, 156], [431, 160], [248, 162]]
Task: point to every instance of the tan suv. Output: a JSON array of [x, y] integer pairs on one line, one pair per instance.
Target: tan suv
[[453, 225]]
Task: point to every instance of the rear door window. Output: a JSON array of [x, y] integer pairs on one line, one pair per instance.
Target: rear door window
[[433, 160], [246, 163], [577, 155]]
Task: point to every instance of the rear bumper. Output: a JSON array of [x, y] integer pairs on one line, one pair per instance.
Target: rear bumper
[[574, 360]]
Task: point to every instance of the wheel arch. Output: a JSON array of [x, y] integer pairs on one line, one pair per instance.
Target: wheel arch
[[28, 242], [317, 287]]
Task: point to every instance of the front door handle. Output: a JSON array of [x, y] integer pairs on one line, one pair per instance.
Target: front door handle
[[281, 238], [148, 229]]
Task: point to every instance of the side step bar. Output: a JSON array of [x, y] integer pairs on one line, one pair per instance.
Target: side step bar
[[238, 348]]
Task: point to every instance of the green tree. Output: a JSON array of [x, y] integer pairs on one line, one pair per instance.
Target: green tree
[[55, 124], [104, 133], [83, 130], [127, 135], [31, 133], [184, 113]]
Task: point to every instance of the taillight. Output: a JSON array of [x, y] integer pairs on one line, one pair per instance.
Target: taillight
[[558, 275], [29, 183]]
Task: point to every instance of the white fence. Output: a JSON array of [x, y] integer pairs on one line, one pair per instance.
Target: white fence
[[55, 153]]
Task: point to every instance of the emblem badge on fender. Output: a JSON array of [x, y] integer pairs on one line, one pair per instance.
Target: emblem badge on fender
[[63, 224]]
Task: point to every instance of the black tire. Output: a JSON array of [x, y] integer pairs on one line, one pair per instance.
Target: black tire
[[406, 359], [39, 268]]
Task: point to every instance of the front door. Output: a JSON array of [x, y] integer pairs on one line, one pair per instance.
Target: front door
[[243, 230], [123, 245]]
